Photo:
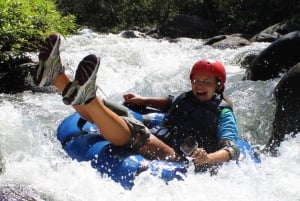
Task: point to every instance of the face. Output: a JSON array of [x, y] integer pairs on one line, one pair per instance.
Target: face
[[204, 86]]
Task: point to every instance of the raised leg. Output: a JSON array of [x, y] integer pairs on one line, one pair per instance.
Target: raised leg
[[81, 94]]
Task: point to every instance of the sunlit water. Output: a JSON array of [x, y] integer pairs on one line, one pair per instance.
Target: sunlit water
[[32, 155]]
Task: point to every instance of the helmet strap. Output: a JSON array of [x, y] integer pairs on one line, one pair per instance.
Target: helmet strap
[[219, 86]]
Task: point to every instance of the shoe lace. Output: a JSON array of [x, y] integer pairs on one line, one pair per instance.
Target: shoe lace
[[68, 67], [98, 87]]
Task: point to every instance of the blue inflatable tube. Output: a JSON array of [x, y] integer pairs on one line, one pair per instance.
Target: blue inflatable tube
[[117, 163]]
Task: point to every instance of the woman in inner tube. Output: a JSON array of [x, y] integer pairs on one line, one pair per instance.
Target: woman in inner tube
[[199, 123]]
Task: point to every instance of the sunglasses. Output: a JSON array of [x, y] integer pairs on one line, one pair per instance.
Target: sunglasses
[[206, 82]]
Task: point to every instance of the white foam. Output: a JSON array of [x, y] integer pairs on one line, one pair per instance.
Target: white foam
[[32, 154]]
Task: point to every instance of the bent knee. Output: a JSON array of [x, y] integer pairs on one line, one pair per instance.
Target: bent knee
[[139, 134]]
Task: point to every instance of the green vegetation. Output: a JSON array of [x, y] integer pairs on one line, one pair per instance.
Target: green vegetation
[[24, 23], [108, 15], [230, 16]]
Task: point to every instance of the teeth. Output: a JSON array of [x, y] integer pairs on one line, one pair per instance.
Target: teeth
[[201, 92]]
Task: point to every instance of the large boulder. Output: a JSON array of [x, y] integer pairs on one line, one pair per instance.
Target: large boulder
[[21, 192], [227, 41], [187, 26], [287, 115], [277, 58], [13, 73], [276, 31]]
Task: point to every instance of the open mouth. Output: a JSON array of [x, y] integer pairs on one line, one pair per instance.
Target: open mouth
[[201, 93]]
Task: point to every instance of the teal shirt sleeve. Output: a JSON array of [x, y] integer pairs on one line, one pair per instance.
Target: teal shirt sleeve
[[227, 126]]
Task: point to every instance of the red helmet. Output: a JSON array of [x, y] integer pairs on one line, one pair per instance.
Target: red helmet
[[212, 67]]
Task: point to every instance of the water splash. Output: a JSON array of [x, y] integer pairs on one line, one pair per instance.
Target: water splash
[[32, 155]]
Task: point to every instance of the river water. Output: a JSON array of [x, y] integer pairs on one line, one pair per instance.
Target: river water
[[33, 157]]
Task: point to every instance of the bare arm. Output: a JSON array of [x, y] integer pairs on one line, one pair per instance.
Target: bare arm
[[201, 157], [228, 149], [160, 103]]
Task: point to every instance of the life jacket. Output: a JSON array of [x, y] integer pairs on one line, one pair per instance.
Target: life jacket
[[190, 117]]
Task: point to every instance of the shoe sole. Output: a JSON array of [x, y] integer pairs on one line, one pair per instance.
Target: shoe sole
[[51, 61], [83, 89]]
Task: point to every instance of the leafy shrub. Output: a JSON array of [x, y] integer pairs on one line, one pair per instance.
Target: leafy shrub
[[247, 16], [116, 15], [24, 23]]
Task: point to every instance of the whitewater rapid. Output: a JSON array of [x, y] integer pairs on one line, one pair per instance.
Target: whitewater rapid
[[33, 156]]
